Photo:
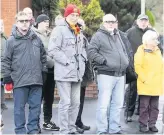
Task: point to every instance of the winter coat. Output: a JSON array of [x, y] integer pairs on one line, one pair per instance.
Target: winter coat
[[3, 44], [24, 59], [68, 52], [45, 39], [149, 67], [110, 48], [134, 35]]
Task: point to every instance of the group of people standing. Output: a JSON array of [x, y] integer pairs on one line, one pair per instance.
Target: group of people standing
[[35, 59]]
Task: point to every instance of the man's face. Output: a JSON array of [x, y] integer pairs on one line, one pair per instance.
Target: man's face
[[44, 25], [111, 23], [73, 18], [23, 23], [1, 27], [143, 23]]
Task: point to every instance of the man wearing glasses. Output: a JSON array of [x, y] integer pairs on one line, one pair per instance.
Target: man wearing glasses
[[22, 66], [111, 60]]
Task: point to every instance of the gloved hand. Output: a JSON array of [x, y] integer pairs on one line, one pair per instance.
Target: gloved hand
[[9, 86]]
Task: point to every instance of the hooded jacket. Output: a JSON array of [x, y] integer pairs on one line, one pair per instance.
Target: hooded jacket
[[45, 39], [24, 59], [69, 53], [108, 47]]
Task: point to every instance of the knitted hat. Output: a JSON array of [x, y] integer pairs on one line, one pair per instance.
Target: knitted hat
[[42, 18], [71, 9]]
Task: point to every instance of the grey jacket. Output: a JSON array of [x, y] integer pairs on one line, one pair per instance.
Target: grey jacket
[[69, 53], [24, 59], [108, 52], [3, 44], [45, 39]]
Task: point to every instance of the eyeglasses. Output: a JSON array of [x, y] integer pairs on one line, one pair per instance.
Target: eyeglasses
[[113, 22], [24, 21]]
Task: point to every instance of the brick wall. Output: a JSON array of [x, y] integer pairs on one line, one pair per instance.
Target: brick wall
[[8, 11]]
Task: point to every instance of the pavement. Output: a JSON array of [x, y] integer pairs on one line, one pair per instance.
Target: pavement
[[88, 117]]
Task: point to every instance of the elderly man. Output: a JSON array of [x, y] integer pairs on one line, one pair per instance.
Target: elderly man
[[135, 38], [111, 60], [67, 47]]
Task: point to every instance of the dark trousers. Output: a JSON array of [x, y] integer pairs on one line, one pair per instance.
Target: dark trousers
[[130, 97], [48, 97], [31, 95], [148, 110], [79, 122]]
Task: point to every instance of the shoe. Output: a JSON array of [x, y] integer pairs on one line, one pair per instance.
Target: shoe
[[129, 119], [50, 126], [76, 132], [118, 132], [79, 130], [4, 107], [103, 133], [144, 129], [84, 127], [1, 126], [153, 129]]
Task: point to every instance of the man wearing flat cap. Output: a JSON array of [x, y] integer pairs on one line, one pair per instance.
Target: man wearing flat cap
[[135, 34]]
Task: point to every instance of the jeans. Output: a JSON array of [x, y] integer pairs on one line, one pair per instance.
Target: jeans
[[69, 93], [31, 95], [110, 102]]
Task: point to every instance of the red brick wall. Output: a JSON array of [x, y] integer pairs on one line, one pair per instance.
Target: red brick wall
[[24, 3], [8, 11]]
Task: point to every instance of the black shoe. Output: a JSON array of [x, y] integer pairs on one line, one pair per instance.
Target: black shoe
[[144, 129], [76, 132], [118, 132], [129, 119], [50, 126], [79, 130], [103, 133], [153, 129], [84, 127]]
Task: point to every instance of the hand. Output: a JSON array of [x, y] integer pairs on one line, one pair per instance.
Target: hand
[[9, 86]]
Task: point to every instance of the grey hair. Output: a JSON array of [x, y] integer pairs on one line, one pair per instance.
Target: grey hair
[[148, 35]]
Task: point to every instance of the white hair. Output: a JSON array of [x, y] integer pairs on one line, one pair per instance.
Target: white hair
[[148, 35], [108, 17]]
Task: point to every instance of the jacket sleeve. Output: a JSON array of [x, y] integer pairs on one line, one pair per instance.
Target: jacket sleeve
[[43, 58], [55, 47], [7, 62], [93, 51], [138, 64]]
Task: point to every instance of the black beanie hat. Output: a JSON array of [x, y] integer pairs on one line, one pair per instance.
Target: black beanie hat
[[42, 18]]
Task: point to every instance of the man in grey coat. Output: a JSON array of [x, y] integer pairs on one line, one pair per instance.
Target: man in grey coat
[[22, 66], [67, 47], [107, 51]]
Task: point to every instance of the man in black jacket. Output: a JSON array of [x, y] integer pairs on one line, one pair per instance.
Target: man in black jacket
[[22, 66], [135, 34], [111, 59]]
